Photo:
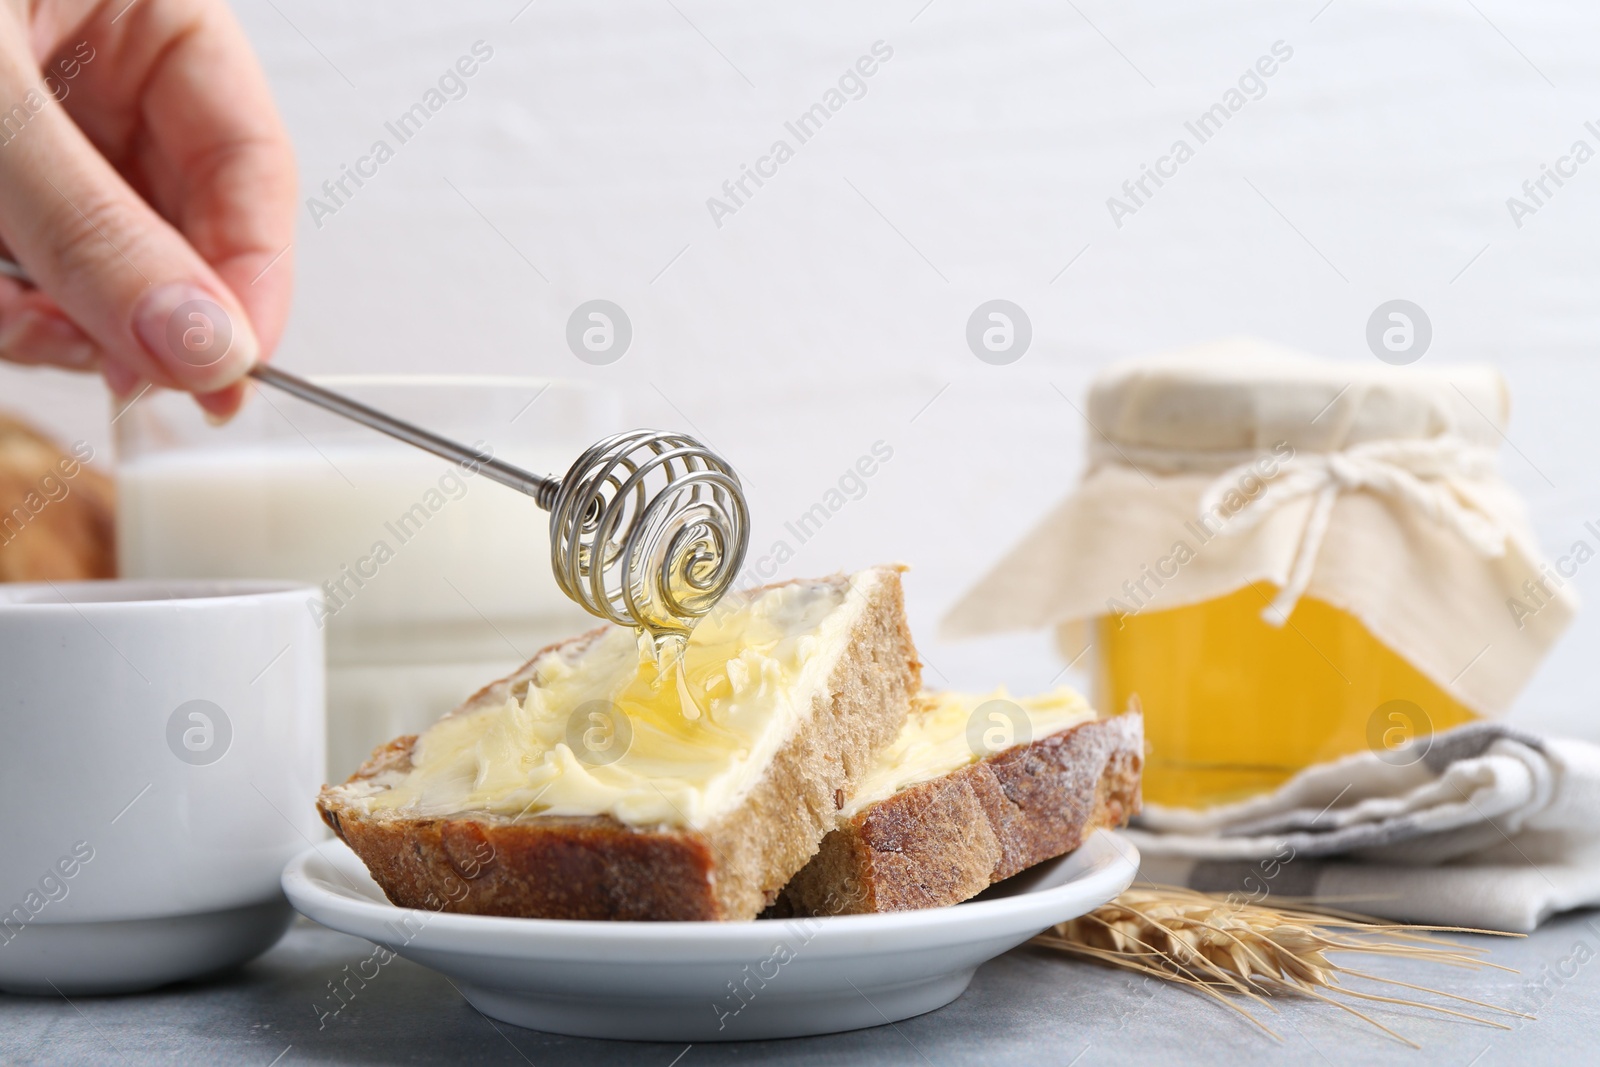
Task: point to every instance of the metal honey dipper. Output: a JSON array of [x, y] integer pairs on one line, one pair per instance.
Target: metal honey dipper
[[647, 529]]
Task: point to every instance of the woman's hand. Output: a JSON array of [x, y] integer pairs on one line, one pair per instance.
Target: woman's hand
[[147, 186]]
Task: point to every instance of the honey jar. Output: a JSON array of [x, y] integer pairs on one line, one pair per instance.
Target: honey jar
[[1284, 560]]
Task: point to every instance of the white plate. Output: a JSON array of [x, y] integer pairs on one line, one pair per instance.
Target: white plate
[[707, 981]]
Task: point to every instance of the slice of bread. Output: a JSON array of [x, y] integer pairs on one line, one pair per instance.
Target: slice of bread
[[446, 828], [944, 839]]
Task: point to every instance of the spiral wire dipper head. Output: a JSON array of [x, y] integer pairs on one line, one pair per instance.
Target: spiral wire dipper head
[[648, 529]]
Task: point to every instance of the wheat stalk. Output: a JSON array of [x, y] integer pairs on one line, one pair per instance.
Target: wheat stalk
[[1217, 946]]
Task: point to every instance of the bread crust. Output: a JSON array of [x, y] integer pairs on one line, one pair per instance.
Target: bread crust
[[943, 841], [54, 526], [595, 867]]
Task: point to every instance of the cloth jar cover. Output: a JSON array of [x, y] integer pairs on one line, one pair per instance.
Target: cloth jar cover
[[1373, 488]]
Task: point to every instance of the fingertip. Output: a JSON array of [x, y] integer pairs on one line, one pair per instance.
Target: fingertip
[[221, 406]]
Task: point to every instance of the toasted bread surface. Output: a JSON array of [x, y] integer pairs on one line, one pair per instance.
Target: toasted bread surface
[[943, 841], [595, 867]]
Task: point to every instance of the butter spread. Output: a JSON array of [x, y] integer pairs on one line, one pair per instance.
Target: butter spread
[[947, 731], [607, 730]]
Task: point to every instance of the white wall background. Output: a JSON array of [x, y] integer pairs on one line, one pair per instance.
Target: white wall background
[[830, 310]]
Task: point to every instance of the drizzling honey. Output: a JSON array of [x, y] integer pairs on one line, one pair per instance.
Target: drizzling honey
[[677, 587], [674, 689], [662, 659]]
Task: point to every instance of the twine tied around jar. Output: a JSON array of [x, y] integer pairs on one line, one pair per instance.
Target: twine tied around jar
[[1431, 477]]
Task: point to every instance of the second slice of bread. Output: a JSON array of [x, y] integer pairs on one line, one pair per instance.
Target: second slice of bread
[[945, 840]]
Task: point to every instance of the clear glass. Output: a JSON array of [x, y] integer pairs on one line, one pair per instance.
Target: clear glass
[[1234, 706], [435, 581]]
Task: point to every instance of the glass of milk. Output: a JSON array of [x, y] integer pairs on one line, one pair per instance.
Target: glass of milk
[[435, 581]]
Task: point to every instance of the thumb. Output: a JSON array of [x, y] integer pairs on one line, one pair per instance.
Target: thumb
[[118, 270]]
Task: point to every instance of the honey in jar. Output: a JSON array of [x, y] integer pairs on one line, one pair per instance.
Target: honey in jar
[[1234, 705]]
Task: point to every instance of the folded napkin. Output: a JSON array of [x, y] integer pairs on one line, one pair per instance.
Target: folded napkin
[[1488, 827]]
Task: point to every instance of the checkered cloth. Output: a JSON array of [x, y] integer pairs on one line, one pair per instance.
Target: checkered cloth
[[1489, 827]]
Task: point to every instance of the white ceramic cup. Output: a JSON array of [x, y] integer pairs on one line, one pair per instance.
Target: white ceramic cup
[[161, 745]]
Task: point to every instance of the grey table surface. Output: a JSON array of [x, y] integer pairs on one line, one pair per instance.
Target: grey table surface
[[1030, 1006]]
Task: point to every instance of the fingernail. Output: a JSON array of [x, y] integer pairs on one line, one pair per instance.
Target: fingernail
[[193, 337]]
